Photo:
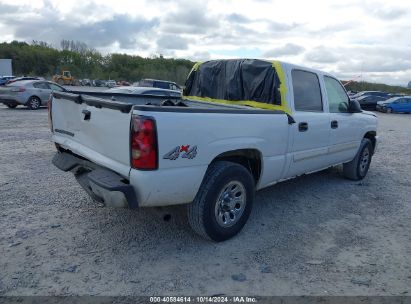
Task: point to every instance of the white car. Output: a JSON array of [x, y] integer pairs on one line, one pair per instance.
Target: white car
[[237, 132]]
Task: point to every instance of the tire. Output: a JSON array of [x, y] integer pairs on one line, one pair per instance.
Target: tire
[[60, 81], [215, 213], [11, 106], [357, 168], [34, 103], [389, 110]]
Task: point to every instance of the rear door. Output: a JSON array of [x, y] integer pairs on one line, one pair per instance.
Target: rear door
[[344, 127], [42, 90], [310, 133]]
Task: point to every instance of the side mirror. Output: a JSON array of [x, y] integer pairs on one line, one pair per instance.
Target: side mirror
[[354, 106]]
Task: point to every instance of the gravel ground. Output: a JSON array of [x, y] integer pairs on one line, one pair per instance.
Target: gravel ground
[[315, 235]]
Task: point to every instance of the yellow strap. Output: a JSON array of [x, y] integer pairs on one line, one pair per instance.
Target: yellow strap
[[283, 87], [196, 66], [260, 105], [251, 103]]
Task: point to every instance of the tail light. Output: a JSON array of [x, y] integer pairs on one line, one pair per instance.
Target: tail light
[[49, 105], [143, 143], [18, 89]]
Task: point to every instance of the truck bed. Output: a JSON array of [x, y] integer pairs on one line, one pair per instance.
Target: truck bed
[[126, 102]]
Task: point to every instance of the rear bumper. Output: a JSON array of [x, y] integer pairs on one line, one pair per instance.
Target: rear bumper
[[101, 184], [9, 102], [13, 99]]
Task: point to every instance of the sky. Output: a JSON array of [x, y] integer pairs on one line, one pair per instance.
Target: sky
[[357, 40]]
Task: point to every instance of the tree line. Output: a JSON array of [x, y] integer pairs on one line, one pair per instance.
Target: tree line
[[41, 59], [367, 86]]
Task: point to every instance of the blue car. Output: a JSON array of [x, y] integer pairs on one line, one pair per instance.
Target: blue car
[[5, 79], [396, 104]]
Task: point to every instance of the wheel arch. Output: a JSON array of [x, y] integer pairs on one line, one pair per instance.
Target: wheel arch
[[251, 159], [371, 136]]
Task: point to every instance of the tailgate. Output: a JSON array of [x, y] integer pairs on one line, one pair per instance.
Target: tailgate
[[94, 128]]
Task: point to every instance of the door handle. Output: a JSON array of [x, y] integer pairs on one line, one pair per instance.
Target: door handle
[[303, 126], [87, 114], [334, 124]]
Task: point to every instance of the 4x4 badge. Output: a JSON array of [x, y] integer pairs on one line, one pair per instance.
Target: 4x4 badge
[[184, 150]]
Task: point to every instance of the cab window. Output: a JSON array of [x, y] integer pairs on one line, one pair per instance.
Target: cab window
[[307, 92], [337, 97]]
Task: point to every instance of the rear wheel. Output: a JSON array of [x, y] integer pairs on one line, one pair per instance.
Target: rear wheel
[[34, 103], [11, 106], [357, 168], [223, 203]]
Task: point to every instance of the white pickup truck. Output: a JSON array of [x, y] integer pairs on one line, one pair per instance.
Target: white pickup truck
[[244, 125]]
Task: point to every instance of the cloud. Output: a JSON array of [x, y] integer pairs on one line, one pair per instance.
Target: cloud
[[388, 13], [282, 27], [190, 19], [237, 18], [172, 42], [121, 29], [321, 55], [371, 36], [286, 50], [9, 9], [374, 64]]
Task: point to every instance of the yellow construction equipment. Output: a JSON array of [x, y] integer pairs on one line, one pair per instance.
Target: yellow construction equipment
[[65, 78]]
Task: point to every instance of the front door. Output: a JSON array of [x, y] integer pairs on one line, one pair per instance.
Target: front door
[[345, 129]]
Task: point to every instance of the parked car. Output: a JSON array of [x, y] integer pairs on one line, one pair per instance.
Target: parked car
[[233, 136], [5, 79], [391, 95], [370, 93], [85, 82], [30, 93], [24, 78], [123, 83], [111, 83], [144, 91], [162, 84], [369, 102], [99, 83], [396, 104]]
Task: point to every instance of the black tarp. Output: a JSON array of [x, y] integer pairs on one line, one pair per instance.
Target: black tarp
[[235, 79]]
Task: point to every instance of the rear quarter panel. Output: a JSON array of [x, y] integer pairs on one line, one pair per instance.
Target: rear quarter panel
[[178, 180]]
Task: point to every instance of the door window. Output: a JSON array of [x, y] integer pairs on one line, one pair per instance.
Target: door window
[[56, 88], [161, 85], [307, 92], [337, 97], [41, 85]]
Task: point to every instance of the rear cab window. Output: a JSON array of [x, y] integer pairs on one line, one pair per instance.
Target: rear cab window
[[307, 91]]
